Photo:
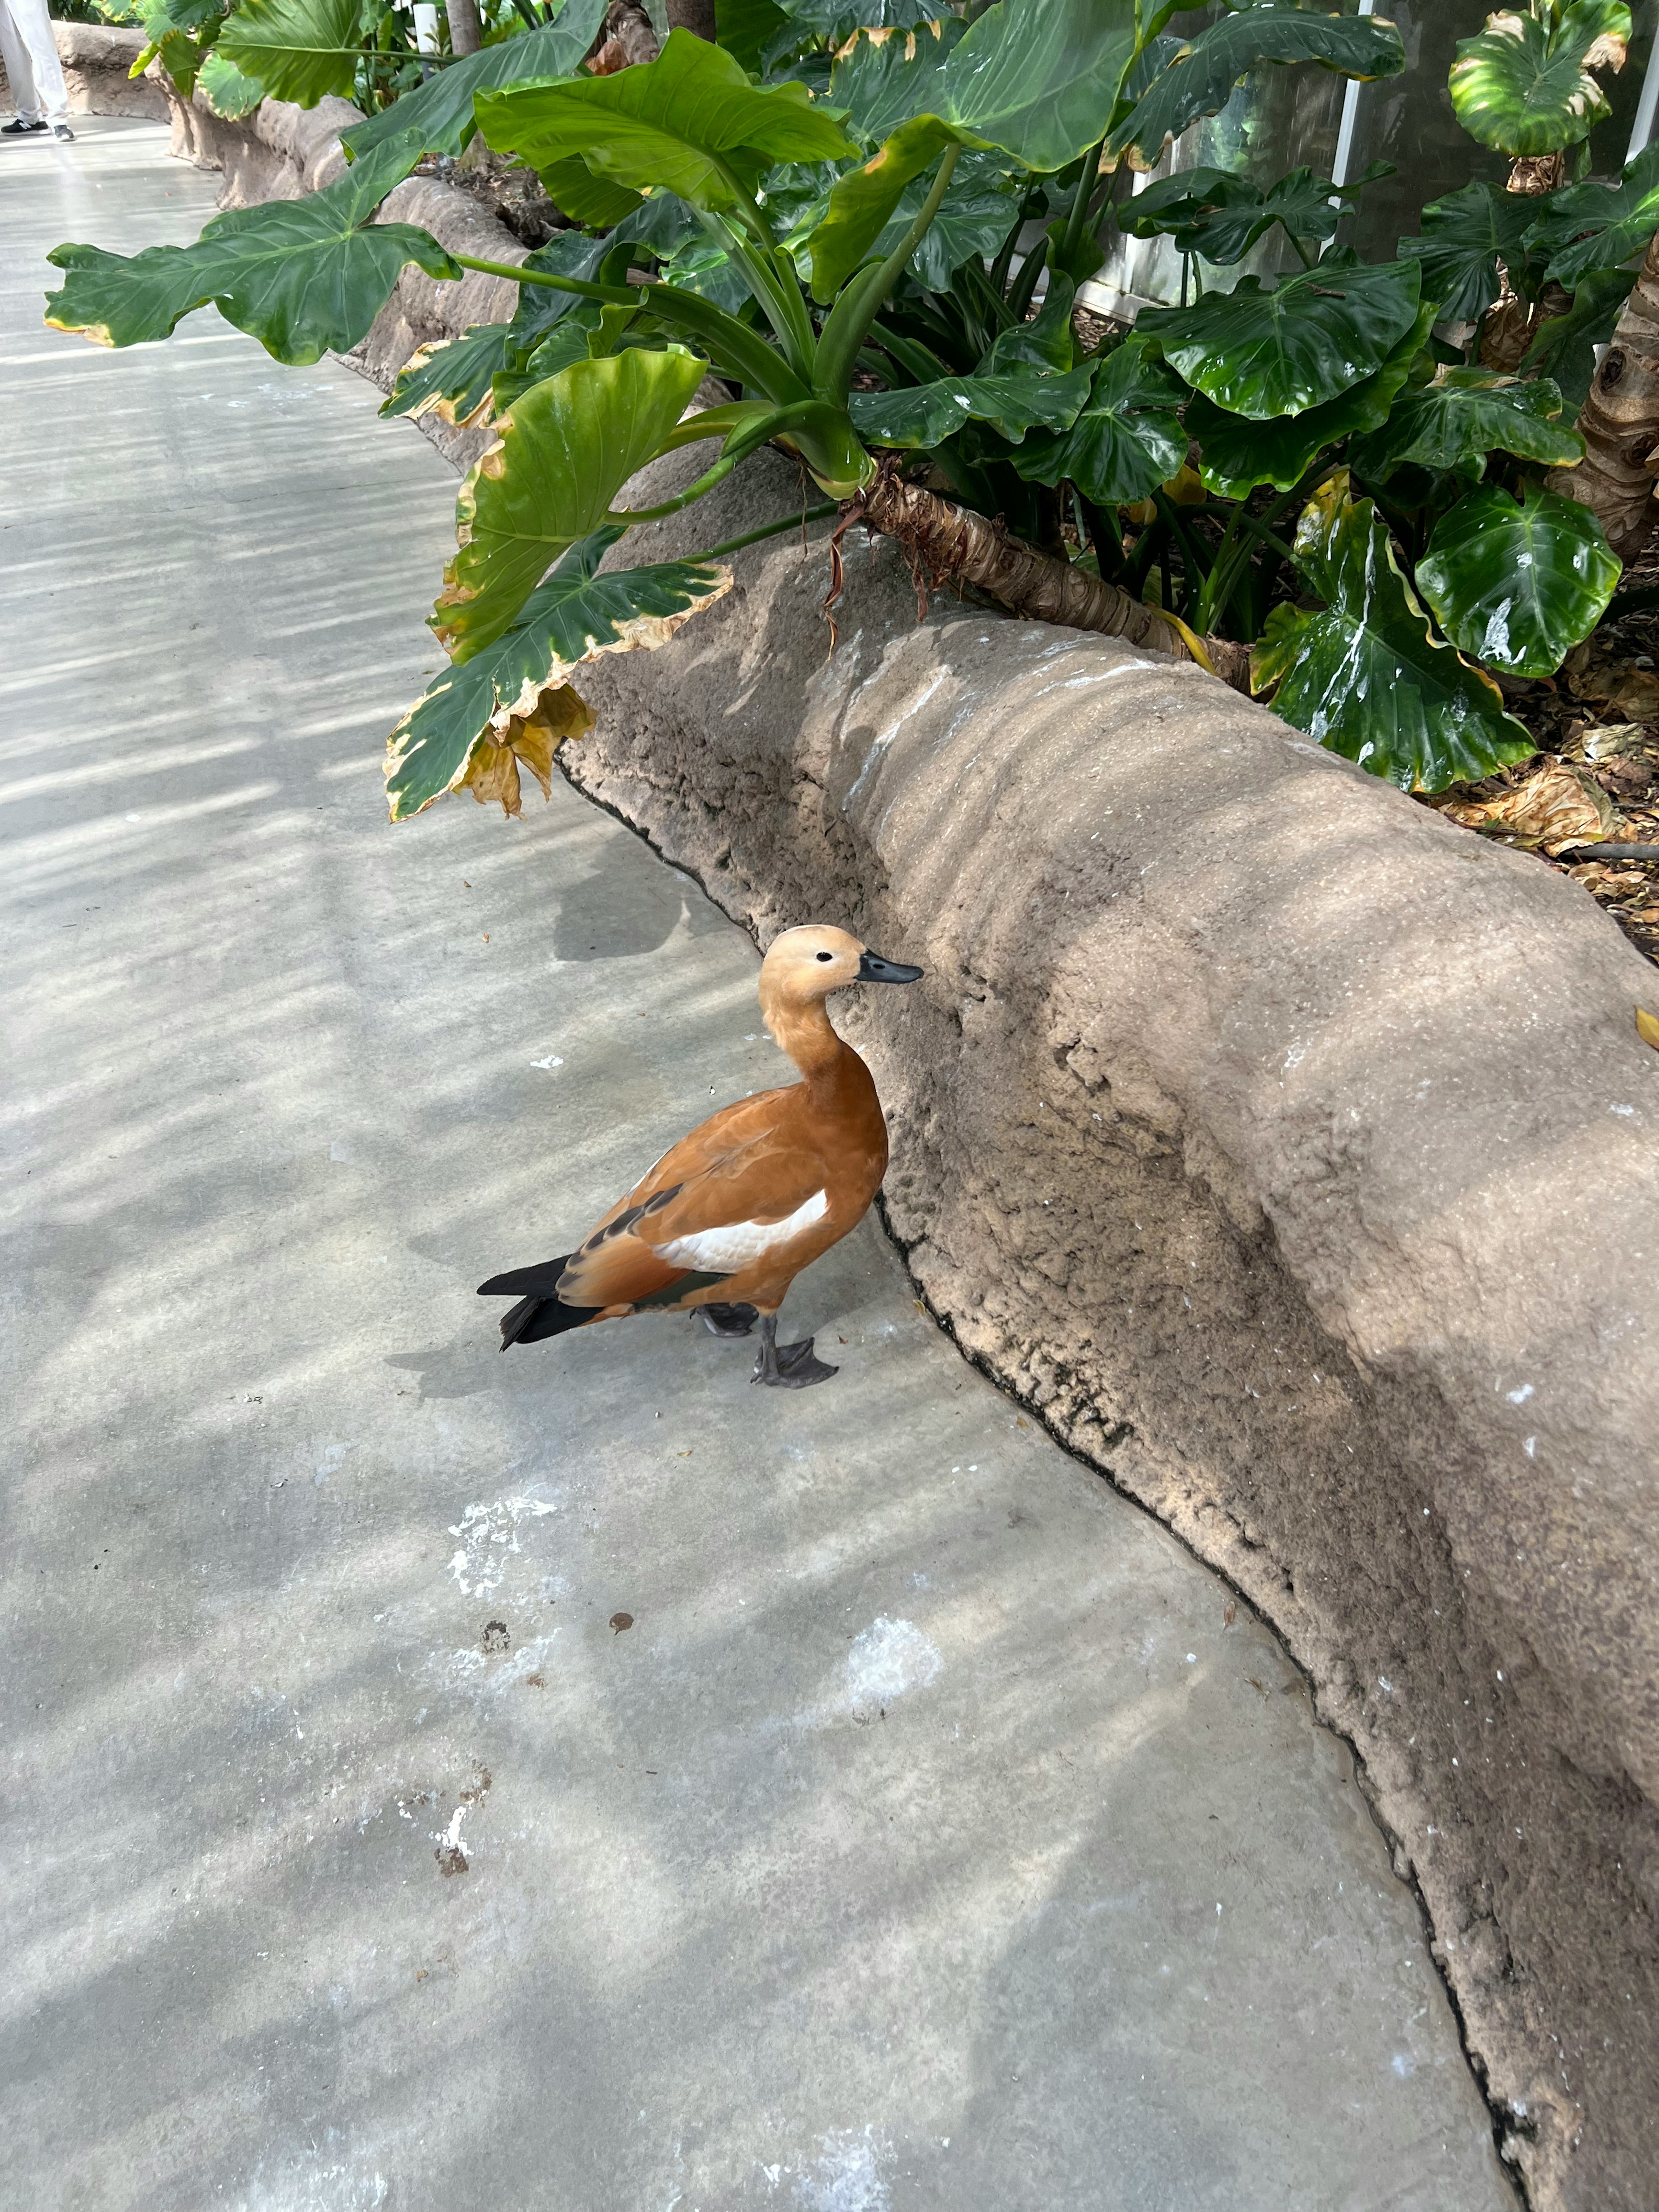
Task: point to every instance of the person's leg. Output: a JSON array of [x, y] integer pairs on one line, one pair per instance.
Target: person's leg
[[19, 74], [34, 27]]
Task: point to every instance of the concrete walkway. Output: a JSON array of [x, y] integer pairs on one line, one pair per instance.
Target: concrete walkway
[[938, 1836]]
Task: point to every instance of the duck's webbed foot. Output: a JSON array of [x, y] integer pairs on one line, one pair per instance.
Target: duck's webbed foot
[[788, 1366], [728, 1321]]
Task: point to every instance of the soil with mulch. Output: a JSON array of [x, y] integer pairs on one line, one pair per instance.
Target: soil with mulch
[[1595, 779]]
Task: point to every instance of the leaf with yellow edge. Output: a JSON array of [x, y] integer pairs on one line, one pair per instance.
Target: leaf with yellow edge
[[513, 700], [1647, 1027]]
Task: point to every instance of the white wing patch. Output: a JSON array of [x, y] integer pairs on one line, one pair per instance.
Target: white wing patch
[[723, 1251]]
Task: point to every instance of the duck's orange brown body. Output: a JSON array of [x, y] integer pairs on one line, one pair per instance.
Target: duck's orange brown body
[[729, 1215]]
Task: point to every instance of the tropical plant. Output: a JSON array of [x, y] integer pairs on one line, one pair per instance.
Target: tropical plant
[[847, 222]]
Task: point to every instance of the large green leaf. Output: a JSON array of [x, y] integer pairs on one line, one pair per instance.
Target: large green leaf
[[1220, 216], [746, 27], [836, 20], [299, 49], [973, 220], [565, 451], [306, 277], [1237, 454], [1524, 83], [574, 616], [1039, 77], [227, 91], [884, 78], [1464, 415], [1366, 676], [1591, 226], [1465, 235], [595, 201], [452, 379], [1012, 401], [689, 121], [1200, 79], [1518, 585], [1565, 348], [441, 108], [1126, 441], [1264, 353]]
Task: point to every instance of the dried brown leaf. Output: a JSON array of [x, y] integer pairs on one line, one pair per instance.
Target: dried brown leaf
[[1647, 1027], [1555, 806]]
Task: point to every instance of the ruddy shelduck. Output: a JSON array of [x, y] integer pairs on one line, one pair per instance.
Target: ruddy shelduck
[[726, 1220]]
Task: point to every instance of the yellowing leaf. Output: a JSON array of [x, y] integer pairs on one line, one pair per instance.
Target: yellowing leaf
[[533, 739], [1647, 1027]]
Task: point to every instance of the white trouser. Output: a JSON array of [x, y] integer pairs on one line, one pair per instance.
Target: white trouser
[[36, 75]]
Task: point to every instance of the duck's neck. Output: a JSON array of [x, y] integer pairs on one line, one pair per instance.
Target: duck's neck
[[806, 1034]]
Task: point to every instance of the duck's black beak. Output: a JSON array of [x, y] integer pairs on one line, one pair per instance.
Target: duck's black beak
[[873, 969]]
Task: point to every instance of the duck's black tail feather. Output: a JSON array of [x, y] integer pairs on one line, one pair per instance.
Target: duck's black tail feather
[[539, 1311]]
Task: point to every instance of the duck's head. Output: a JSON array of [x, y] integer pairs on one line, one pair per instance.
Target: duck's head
[[803, 966]]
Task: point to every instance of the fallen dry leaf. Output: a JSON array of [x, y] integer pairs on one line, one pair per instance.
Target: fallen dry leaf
[[1555, 806], [1647, 1027]]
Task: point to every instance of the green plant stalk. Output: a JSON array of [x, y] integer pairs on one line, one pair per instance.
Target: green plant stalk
[[768, 530], [781, 304], [1019, 298], [1005, 260], [799, 421], [1080, 199], [864, 295], [1197, 561]]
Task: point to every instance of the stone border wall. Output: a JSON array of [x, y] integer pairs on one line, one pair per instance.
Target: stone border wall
[[1290, 1150]]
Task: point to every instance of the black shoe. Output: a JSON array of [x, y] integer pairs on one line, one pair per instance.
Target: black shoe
[[18, 129], [63, 134]]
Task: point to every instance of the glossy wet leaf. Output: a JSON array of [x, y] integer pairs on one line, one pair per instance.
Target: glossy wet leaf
[[228, 91], [1199, 78], [1125, 440], [1011, 403], [1464, 415], [565, 451], [1039, 77], [299, 49], [1465, 235], [690, 122], [1365, 675], [576, 616], [1237, 454], [1518, 584], [884, 78], [441, 108], [1527, 87], [972, 219], [306, 276], [1221, 217], [452, 380], [1264, 352], [1565, 348], [1591, 226]]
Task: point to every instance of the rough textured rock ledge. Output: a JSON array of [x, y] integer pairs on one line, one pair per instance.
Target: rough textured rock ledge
[[1293, 1153]]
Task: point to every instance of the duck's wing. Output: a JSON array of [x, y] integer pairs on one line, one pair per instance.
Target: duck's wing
[[722, 1198]]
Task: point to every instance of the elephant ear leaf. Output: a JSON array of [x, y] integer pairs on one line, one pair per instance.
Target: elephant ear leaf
[[1012, 401], [884, 78], [1039, 77], [1593, 226], [1525, 82], [690, 121], [1269, 353], [1126, 441], [565, 451], [1200, 77], [306, 277], [1518, 583], [514, 703], [1366, 676], [1465, 236], [227, 91], [441, 108], [299, 49], [1464, 415], [452, 379]]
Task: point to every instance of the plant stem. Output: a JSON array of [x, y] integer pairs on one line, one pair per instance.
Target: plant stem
[[863, 296], [1080, 197], [1025, 283], [767, 530], [1005, 260], [516, 273]]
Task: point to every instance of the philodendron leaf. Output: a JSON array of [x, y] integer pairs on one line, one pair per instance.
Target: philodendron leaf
[[1518, 585], [1565, 348], [1268, 353], [595, 201], [306, 277], [1237, 454], [1221, 217], [1366, 676], [884, 78], [837, 21], [228, 91], [299, 49], [1200, 79], [1039, 77], [746, 27], [504, 695], [1012, 402], [452, 379], [1465, 235], [441, 108], [565, 451], [1591, 226], [973, 220], [690, 121], [1126, 441], [1524, 84], [1464, 415]]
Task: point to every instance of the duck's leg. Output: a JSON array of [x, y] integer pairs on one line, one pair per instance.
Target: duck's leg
[[728, 1321], [788, 1366]]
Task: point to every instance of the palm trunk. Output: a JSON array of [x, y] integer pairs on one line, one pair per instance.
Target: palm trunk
[[1619, 423]]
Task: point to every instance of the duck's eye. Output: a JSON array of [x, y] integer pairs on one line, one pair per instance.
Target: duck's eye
[[826, 956]]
